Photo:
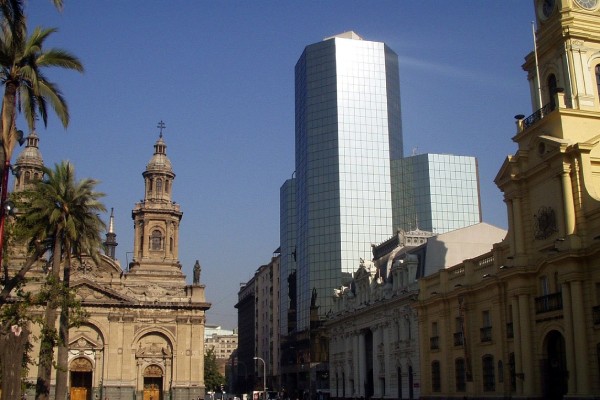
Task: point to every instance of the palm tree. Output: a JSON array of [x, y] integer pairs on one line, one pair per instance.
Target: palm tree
[[28, 90], [63, 211]]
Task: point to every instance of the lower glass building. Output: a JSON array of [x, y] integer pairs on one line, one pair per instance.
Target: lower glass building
[[436, 192]]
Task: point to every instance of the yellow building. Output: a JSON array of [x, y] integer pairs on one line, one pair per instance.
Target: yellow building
[[145, 334], [523, 321]]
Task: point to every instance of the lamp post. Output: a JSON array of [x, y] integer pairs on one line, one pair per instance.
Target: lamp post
[[264, 377]]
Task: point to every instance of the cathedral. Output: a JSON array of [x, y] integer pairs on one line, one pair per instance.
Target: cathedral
[[144, 337]]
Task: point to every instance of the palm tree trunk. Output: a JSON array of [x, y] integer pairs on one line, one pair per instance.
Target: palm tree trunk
[[48, 340], [12, 349], [63, 333]]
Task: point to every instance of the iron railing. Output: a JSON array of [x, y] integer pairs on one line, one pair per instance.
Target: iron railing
[[539, 114], [550, 302]]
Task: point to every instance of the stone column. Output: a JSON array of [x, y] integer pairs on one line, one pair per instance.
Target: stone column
[[376, 330], [517, 224], [517, 343], [526, 347], [356, 365], [569, 338], [387, 351], [569, 208], [581, 345]]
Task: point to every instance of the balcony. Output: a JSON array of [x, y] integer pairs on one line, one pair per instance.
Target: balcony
[[485, 334], [551, 302], [539, 114], [459, 339], [434, 343]]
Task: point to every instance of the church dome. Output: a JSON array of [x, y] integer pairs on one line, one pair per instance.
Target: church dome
[[31, 155], [159, 160]]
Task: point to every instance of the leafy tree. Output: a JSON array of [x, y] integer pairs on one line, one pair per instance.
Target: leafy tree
[[26, 88], [64, 212], [213, 379]]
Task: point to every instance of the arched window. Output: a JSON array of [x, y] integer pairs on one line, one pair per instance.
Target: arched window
[[27, 176], [552, 90], [156, 240], [159, 186], [436, 377], [166, 186], [460, 373], [149, 186], [489, 376]]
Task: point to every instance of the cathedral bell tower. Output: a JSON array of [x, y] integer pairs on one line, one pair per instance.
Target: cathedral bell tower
[[157, 217], [552, 184]]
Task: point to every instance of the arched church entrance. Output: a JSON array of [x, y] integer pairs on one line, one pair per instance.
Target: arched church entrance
[[80, 373], [153, 379], [554, 367]]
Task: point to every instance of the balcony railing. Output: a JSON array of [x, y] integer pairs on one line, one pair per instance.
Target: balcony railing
[[459, 339], [539, 114], [551, 302], [434, 343], [486, 334]]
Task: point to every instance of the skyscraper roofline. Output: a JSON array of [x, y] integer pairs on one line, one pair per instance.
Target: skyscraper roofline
[[346, 35]]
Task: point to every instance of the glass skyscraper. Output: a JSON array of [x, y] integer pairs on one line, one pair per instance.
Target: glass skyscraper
[[348, 131], [436, 192]]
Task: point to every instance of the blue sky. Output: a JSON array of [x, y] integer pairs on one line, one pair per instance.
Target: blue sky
[[220, 74]]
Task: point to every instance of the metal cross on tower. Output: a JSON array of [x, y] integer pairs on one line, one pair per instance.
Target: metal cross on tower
[[161, 125]]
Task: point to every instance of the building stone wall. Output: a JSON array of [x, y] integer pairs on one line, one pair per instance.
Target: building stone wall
[[145, 332]]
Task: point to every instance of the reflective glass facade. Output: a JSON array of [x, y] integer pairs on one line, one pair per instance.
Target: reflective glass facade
[[287, 240], [348, 129], [436, 192]]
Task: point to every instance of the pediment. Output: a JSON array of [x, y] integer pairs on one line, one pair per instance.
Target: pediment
[[82, 342], [86, 267], [91, 292]]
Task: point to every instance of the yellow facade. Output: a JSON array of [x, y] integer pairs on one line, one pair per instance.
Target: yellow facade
[[524, 320]]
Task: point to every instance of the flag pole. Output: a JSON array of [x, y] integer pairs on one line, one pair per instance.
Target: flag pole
[[537, 70]]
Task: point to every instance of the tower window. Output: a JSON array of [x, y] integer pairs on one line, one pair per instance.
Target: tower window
[[27, 177], [598, 78], [166, 186], [156, 240], [552, 90], [159, 186], [149, 186]]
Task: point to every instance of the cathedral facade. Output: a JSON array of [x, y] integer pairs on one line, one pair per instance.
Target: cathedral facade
[[144, 338]]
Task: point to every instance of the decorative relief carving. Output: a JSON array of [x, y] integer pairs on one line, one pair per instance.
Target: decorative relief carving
[[81, 365], [153, 371], [544, 223]]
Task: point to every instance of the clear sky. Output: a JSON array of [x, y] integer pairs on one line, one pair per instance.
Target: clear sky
[[220, 74]]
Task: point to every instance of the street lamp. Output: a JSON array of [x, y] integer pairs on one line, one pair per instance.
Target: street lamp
[[264, 376]]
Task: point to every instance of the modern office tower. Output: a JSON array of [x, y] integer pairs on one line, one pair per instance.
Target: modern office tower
[[348, 129], [436, 192]]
